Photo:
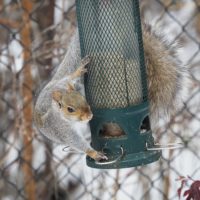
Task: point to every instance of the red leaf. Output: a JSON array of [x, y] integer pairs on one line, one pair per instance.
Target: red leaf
[[190, 198], [193, 192], [179, 192], [181, 188], [186, 193]]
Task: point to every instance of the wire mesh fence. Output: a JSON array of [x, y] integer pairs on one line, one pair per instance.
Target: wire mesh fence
[[33, 39]]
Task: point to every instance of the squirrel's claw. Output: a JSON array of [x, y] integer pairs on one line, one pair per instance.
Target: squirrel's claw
[[101, 156], [80, 71], [85, 60], [96, 155]]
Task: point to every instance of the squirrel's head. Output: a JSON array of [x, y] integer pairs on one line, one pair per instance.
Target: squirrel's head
[[72, 105]]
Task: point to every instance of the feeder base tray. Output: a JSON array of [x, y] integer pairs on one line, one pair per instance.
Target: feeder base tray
[[130, 160]]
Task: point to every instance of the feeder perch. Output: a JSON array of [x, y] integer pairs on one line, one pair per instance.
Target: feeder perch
[[115, 85]]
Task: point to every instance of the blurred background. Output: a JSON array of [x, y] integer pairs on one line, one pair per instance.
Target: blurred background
[[34, 35]]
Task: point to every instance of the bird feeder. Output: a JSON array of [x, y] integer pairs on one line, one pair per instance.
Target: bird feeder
[[115, 85]]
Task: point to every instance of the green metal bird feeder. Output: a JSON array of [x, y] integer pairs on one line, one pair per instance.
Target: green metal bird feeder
[[115, 85]]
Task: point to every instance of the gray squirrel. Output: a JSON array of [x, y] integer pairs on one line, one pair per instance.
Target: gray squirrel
[[165, 77], [62, 113]]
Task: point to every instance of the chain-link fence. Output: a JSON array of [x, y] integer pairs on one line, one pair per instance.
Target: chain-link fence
[[33, 39]]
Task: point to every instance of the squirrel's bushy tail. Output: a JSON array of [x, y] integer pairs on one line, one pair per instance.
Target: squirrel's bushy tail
[[166, 75]]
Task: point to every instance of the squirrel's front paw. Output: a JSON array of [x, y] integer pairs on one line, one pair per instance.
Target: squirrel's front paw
[[100, 156], [81, 70], [96, 155], [85, 60]]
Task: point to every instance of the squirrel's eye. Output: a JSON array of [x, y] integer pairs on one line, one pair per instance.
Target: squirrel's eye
[[70, 109]]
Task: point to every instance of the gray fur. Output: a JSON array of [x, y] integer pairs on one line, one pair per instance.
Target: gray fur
[[55, 127], [61, 131]]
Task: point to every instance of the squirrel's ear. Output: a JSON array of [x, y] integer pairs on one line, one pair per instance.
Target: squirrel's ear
[[70, 87], [56, 95]]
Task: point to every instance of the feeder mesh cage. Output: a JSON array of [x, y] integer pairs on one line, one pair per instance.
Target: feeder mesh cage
[[110, 32]]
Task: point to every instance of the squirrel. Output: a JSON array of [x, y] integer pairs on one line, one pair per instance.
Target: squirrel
[[62, 114], [54, 108]]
